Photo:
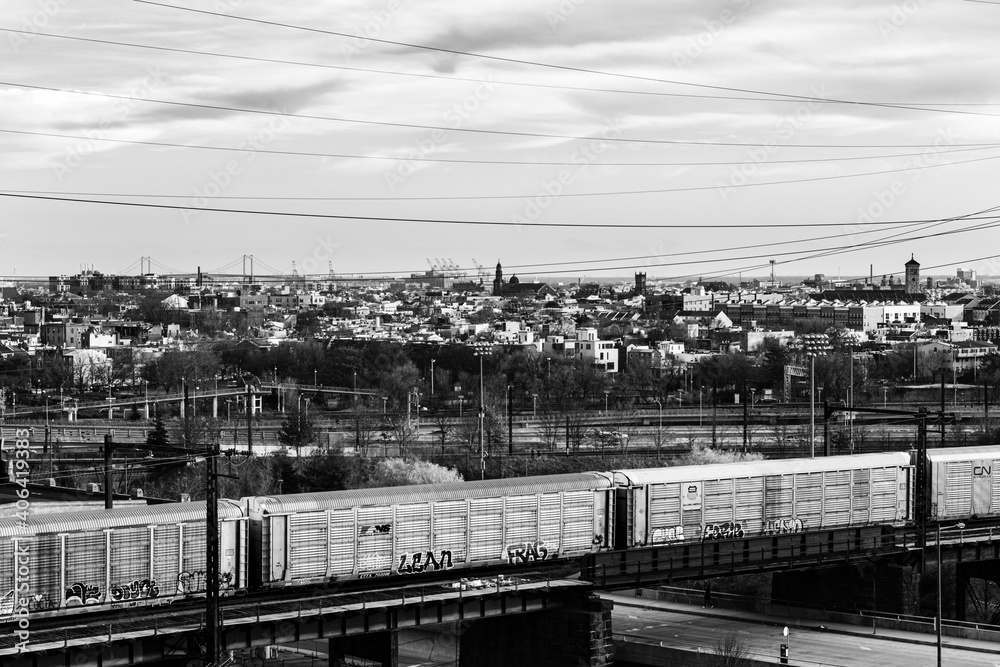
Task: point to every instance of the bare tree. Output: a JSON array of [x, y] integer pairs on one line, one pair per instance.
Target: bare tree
[[548, 428], [730, 650]]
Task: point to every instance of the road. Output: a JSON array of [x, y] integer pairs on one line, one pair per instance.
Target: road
[[810, 644]]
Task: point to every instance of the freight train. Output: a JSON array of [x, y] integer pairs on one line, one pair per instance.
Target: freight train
[[155, 554]]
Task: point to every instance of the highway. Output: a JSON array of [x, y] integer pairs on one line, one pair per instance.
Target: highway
[[811, 643]]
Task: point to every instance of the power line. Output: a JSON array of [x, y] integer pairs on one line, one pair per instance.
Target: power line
[[491, 81], [565, 195], [471, 130], [164, 144], [568, 68], [330, 216]]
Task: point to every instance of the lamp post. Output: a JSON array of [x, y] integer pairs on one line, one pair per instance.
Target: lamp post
[[659, 428], [534, 411], [384, 399], [315, 377], [432, 378], [813, 344], [481, 350], [937, 621], [606, 392]]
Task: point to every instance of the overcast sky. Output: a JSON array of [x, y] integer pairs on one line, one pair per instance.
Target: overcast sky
[[649, 136]]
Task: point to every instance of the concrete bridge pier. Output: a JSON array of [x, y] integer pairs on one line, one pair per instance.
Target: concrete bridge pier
[[380, 647], [574, 636]]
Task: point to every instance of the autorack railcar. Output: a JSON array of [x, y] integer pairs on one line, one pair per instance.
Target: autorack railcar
[[760, 498], [340, 535], [121, 557]]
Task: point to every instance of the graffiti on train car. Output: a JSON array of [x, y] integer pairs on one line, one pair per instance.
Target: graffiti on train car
[[424, 561], [667, 535], [40, 602], [528, 552], [83, 594], [195, 582], [375, 561], [7, 605], [723, 531], [138, 589], [782, 526]]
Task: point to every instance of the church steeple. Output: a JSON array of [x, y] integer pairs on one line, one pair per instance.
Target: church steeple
[[498, 279]]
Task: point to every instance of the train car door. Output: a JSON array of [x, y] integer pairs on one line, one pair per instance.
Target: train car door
[[982, 487]]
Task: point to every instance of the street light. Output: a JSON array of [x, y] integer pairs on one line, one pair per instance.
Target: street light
[[659, 428], [481, 350], [315, 378], [937, 621], [384, 399], [606, 392], [534, 399], [432, 378], [813, 344]]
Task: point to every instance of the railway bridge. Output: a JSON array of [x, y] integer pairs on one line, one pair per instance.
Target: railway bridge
[[532, 616]]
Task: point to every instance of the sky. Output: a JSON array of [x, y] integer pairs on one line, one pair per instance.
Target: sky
[[686, 139]]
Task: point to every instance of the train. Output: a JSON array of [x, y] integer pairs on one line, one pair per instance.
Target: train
[[153, 555]]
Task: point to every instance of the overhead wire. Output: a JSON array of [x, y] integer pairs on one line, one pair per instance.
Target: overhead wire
[[424, 75], [568, 68], [416, 158], [472, 130]]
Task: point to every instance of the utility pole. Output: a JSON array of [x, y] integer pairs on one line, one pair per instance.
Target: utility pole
[[109, 448], [212, 556], [745, 417], [510, 424]]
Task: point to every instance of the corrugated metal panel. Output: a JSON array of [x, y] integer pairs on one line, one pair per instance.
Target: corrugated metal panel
[[550, 527], [760, 468], [342, 542], [46, 569], [307, 539], [6, 566], [405, 495], [486, 529], [125, 517], [165, 554], [413, 529], [664, 506], [521, 520], [450, 528], [958, 487], [578, 523], [195, 548], [129, 555], [375, 539], [85, 573]]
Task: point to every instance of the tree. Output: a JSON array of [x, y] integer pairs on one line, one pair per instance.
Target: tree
[[157, 437], [297, 429], [403, 472], [730, 650]]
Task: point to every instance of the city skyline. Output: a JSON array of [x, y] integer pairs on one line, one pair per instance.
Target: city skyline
[[509, 139]]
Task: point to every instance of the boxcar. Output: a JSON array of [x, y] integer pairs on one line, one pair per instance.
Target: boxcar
[[962, 484], [761, 498], [339, 535], [121, 557]]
